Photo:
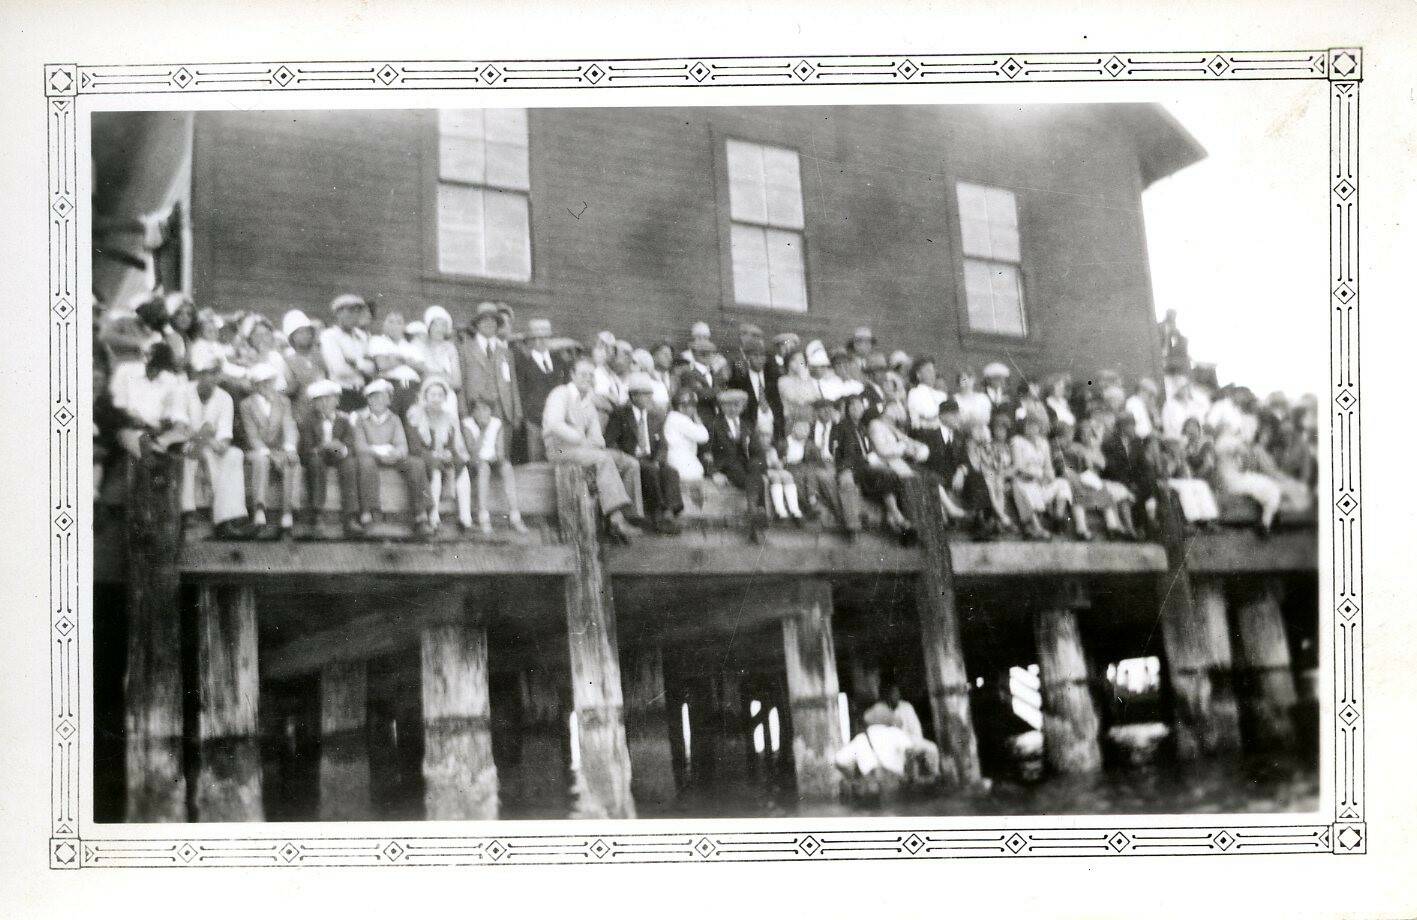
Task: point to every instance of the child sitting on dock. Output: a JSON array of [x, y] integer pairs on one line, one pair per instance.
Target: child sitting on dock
[[380, 442], [435, 435], [486, 445], [327, 440]]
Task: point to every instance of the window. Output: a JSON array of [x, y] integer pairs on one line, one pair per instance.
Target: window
[[993, 281], [484, 225], [766, 222]]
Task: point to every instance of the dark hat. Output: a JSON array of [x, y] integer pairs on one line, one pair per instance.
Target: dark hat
[[754, 348], [949, 405]]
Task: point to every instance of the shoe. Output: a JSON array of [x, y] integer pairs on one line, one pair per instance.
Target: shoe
[[667, 525], [353, 529], [621, 533], [516, 522], [259, 518], [236, 529]]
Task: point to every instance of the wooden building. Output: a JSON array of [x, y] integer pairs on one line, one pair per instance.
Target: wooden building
[[551, 675]]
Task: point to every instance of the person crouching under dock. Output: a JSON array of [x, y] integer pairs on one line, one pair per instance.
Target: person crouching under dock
[[571, 433], [884, 757]]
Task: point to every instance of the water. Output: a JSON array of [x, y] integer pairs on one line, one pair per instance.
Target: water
[[1248, 785]]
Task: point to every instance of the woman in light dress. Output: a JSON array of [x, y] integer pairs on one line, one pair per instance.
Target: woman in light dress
[[434, 433], [437, 355], [684, 434], [923, 401], [1238, 472], [1038, 489], [974, 407], [798, 388]]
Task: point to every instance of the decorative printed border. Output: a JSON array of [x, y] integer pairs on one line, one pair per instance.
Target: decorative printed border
[[1341, 68]]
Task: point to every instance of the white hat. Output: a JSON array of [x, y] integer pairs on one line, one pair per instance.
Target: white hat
[[378, 386], [538, 329], [381, 345], [417, 327], [346, 301], [293, 321], [700, 330], [995, 369], [900, 356], [643, 359], [175, 301], [322, 388], [205, 360], [259, 373], [640, 383], [606, 337], [817, 354], [436, 312]]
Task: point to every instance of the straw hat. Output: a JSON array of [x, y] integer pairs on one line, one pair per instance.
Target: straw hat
[[378, 386], [322, 388], [293, 322]]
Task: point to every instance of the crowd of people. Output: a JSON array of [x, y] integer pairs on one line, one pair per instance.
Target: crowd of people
[[806, 431]]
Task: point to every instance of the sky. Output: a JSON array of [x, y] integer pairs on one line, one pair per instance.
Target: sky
[[1239, 241]]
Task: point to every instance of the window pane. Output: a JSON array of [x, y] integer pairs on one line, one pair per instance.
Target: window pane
[[1003, 242], [507, 166], [506, 126], [460, 230], [507, 235], [750, 266], [783, 180], [464, 122], [461, 158], [974, 238], [1003, 208], [747, 201], [1008, 299], [979, 296], [787, 276], [973, 203]]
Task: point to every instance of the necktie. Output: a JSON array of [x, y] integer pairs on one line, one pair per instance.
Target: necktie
[[644, 434], [544, 361]]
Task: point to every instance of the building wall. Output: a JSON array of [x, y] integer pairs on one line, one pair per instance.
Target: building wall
[[293, 208]]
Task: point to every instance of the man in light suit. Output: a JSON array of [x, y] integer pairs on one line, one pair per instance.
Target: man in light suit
[[488, 372], [570, 429], [272, 441]]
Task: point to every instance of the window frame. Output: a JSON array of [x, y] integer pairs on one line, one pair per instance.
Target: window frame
[[981, 338], [432, 180], [728, 293]]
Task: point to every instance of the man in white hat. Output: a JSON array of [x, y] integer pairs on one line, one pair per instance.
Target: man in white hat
[[327, 442], [344, 347], [538, 373], [488, 373], [996, 383], [570, 428], [637, 429], [381, 442], [211, 416], [272, 442]]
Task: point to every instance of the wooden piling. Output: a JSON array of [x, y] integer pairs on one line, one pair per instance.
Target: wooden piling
[[459, 775], [229, 777], [603, 781], [1070, 723], [152, 684], [1267, 676], [1197, 643], [940, 639], [812, 690], [344, 742], [647, 728]]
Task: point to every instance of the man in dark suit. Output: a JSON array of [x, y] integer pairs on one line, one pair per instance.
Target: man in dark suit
[[1130, 460], [636, 429], [949, 460], [326, 440], [877, 367], [844, 496], [738, 455], [752, 373], [538, 372]]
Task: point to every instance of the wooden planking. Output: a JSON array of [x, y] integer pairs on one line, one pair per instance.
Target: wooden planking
[[1233, 552], [342, 558]]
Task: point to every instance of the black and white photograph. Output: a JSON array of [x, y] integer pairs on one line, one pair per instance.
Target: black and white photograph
[[635, 460], [732, 461]]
